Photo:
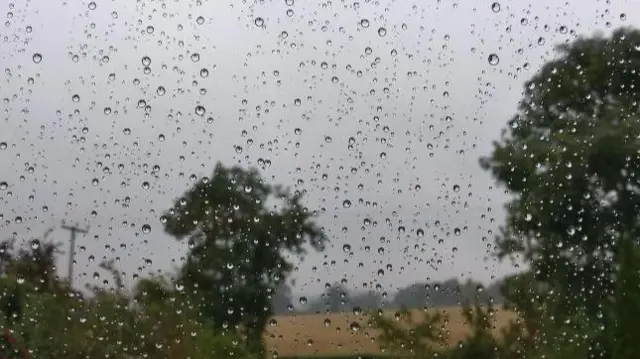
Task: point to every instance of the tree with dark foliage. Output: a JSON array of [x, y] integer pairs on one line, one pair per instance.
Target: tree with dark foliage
[[240, 231], [571, 158]]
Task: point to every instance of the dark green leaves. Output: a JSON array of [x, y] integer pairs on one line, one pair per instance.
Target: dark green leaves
[[240, 230]]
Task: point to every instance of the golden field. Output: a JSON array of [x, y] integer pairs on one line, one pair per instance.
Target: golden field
[[309, 335]]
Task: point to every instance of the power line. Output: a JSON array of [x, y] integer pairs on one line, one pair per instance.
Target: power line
[[72, 250]]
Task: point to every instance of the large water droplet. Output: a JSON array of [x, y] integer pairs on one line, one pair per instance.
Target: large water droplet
[[354, 326], [493, 59]]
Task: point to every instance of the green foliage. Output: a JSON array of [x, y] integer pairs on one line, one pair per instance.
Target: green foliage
[[480, 343], [240, 231], [571, 157], [405, 336], [53, 321], [626, 308]]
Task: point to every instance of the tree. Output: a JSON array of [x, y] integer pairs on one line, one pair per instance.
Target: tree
[[240, 232], [408, 336], [480, 343], [571, 158], [626, 308]]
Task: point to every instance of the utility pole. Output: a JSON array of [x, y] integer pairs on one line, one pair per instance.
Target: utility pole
[[72, 251]]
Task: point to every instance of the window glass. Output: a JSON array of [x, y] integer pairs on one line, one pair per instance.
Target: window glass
[[294, 179]]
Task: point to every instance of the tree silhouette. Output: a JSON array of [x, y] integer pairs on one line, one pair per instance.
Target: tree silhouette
[[240, 230], [571, 157]]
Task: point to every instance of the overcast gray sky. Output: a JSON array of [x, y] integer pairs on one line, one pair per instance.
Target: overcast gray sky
[[407, 83]]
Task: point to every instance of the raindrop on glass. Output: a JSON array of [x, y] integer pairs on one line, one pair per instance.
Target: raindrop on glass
[[493, 59]]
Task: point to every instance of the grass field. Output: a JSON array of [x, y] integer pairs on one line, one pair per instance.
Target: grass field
[[331, 335]]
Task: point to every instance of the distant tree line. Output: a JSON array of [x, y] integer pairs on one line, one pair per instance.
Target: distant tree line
[[338, 298]]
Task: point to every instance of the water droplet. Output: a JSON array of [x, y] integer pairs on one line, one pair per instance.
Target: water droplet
[[3, 185], [354, 326], [204, 72], [493, 59], [364, 23], [95, 182], [346, 248], [259, 22], [92, 5], [457, 231], [420, 232], [495, 7], [346, 203], [456, 188], [327, 322], [200, 20], [161, 91], [3, 145], [382, 32], [35, 244], [146, 229], [273, 322], [200, 110], [179, 286], [36, 58], [303, 300], [146, 61], [195, 57], [18, 219]]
